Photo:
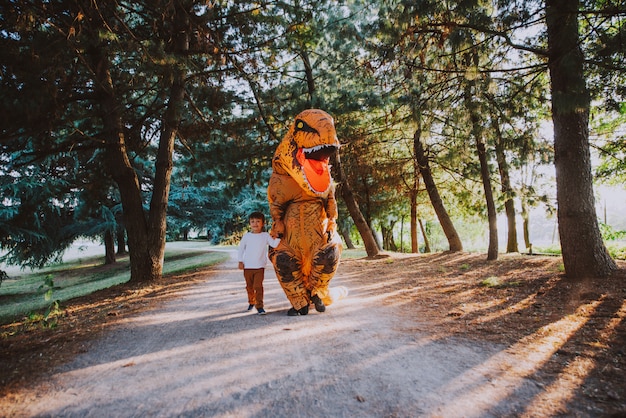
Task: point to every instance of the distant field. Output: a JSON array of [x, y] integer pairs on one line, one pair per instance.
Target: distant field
[[82, 272]]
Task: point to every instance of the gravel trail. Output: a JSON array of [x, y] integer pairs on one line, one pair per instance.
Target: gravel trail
[[203, 355]]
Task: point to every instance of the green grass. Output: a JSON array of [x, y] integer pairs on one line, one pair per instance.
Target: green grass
[[355, 253], [465, 267], [494, 282], [616, 249], [26, 293]]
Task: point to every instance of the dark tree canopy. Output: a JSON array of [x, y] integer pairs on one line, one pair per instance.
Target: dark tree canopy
[[168, 112]]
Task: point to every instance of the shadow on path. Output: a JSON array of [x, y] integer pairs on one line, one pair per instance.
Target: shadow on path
[[203, 354]]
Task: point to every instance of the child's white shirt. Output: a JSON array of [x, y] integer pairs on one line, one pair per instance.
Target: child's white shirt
[[252, 249]]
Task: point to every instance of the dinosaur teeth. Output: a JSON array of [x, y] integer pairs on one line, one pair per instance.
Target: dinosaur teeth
[[319, 152], [315, 148]]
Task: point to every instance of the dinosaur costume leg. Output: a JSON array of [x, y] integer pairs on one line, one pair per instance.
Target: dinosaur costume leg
[[289, 273], [324, 267], [301, 279]]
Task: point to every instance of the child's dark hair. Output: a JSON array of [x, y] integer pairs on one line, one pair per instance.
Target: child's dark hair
[[257, 215]]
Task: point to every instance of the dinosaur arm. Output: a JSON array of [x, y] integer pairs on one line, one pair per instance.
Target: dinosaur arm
[[281, 192], [331, 211]]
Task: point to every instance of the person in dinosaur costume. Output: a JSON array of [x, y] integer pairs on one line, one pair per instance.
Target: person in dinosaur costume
[[301, 196]]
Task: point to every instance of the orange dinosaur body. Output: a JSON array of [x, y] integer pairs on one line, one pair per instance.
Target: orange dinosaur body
[[303, 209]]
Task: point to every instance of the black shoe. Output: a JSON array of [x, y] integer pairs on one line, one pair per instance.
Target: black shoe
[[250, 307], [261, 311], [319, 305], [296, 312]]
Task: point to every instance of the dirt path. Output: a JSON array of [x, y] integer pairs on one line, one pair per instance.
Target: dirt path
[[203, 354]]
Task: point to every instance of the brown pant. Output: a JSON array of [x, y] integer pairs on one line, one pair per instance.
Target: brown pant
[[254, 286]]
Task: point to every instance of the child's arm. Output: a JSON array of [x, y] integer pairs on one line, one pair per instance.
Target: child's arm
[[272, 242], [240, 251]]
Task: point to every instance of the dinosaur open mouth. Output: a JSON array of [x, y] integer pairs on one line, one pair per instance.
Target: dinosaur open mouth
[[314, 162]]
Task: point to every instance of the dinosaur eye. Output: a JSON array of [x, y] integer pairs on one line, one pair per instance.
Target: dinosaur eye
[[302, 126]]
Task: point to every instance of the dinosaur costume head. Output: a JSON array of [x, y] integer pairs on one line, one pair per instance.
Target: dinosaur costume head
[[305, 151]]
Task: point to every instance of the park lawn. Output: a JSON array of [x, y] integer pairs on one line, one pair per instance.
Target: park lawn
[[29, 293]]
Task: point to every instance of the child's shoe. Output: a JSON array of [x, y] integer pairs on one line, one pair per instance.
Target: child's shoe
[[250, 307], [261, 311]]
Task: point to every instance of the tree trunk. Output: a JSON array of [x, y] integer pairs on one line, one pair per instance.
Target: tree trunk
[[368, 211], [507, 190], [454, 241], [146, 235], [387, 233], [344, 188], [345, 233], [157, 221], [353, 208], [426, 242], [492, 216], [413, 197], [121, 239], [109, 248], [384, 233], [119, 165], [310, 80], [492, 251], [526, 224], [584, 253], [511, 243]]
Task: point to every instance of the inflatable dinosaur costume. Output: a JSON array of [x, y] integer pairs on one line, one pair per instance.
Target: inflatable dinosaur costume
[[302, 202]]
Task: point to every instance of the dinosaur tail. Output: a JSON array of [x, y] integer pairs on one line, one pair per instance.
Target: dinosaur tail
[[335, 294]]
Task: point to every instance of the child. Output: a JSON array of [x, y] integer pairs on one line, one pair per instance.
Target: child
[[252, 257]]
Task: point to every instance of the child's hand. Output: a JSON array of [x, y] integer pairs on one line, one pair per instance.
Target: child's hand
[[241, 265]]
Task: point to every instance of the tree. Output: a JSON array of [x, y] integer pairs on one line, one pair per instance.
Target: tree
[[345, 190], [565, 62], [607, 78], [38, 214], [435, 66], [206, 89], [471, 60], [507, 189], [41, 163], [146, 232], [117, 90], [454, 241], [316, 57], [514, 111], [584, 253], [371, 247]]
